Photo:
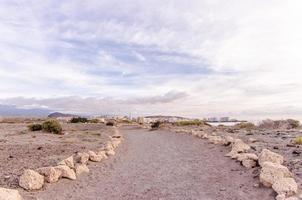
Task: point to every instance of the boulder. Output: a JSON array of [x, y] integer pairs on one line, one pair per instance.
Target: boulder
[[66, 172], [94, 157], [110, 153], [249, 163], [216, 140], [80, 169], [287, 186], [269, 156], [8, 194], [247, 156], [281, 197], [194, 133], [31, 180], [50, 174], [68, 161], [229, 140], [82, 158], [238, 146], [272, 172], [205, 136], [103, 154], [115, 142], [108, 146]]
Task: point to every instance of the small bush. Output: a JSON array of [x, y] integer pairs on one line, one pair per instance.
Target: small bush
[[35, 127], [293, 123], [94, 121], [78, 120], [190, 123], [279, 124], [110, 123], [52, 126], [298, 140], [246, 125], [155, 125]]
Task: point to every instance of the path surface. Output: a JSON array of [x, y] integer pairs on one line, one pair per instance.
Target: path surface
[[162, 165]]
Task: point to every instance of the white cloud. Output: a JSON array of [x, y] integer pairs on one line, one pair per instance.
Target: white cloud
[[248, 52]]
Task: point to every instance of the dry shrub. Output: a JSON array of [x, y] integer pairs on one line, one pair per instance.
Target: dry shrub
[[246, 125], [52, 126], [35, 127], [298, 140], [279, 124], [191, 123]]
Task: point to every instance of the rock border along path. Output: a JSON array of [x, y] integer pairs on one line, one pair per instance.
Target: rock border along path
[[69, 168], [272, 173]]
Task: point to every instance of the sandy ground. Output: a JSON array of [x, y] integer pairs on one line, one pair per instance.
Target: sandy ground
[[21, 149], [161, 165]]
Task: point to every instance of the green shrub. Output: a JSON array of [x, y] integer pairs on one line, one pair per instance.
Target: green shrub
[[35, 127], [78, 120], [190, 123], [298, 140], [52, 126], [246, 125], [94, 121]]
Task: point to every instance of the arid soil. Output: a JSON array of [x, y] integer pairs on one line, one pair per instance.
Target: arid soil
[[21, 149], [161, 165], [279, 141]]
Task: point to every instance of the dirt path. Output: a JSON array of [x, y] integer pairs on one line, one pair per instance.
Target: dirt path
[[162, 165]]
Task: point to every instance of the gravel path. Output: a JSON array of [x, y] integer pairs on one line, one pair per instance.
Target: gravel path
[[161, 165]]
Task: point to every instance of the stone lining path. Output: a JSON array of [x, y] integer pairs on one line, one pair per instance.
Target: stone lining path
[[161, 165]]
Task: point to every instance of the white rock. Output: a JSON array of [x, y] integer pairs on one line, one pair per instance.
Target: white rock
[[31, 180], [216, 140], [68, 161], [80, 169], [249, 163], [238, 146], [281, 197], [272, 172], [50, 174], [269, 156], [110, 153], [287, 186], [247, 156], [66, 171], [82, 158], [95, 157], [8, 194], [103, 154]]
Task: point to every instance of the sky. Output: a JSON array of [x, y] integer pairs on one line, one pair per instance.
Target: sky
[[195, 58]]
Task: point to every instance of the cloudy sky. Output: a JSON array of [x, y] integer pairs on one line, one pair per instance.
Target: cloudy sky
[[195, 58]]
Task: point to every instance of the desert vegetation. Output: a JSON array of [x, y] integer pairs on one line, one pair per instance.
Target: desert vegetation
[[279, 124], [191, 123], [79, 120], [50, 126]]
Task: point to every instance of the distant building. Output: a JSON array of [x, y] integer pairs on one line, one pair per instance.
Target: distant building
[[212, 119], [224, 119]]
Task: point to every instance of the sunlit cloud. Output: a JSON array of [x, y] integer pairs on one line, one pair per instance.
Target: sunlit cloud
[[198, 58]]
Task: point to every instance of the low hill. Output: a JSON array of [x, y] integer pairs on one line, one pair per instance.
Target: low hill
[[58, 114]]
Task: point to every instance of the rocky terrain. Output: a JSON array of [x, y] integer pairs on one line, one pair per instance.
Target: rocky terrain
[[256, 141], [22, 149]]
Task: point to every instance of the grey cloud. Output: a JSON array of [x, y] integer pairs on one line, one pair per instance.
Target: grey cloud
[[92, 105]]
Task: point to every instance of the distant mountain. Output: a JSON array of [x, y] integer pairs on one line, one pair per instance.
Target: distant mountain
[[58, 114], [13, 111]]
